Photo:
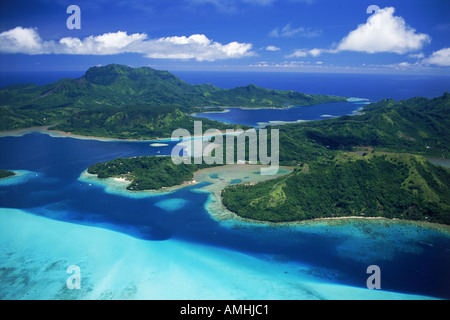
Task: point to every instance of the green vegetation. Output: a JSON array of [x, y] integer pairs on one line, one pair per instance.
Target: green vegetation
[[418, 126], [347, 166], [136, 122], [252, 96], [393, 186], [331, 181], [147, 172], [130, 97], [6, 174]]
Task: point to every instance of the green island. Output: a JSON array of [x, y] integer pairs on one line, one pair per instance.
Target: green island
[[6, 174], [117, 101], [146, 172]]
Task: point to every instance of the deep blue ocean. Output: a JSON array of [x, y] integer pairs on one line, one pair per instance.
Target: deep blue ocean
[[413, 259]]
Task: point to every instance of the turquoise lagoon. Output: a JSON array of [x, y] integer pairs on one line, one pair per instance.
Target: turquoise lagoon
[[168, 246]]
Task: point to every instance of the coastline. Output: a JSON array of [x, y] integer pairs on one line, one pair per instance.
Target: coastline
[[220, 213], [220, 177], [62, 134], [338, 221], [118, 186], [354, 100]]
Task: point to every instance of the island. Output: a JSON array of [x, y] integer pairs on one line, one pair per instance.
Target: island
[[6, 174], [146, 172], [116, 101]]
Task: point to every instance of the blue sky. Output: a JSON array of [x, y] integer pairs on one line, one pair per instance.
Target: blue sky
[[410, 37]]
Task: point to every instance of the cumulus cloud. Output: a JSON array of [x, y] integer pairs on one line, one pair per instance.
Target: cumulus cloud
[[21, 40], [384, 32], [197, 46], [105, 44], [439, 58], [288, 32]]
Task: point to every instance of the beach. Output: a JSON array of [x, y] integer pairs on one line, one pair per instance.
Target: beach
[[62, 134]]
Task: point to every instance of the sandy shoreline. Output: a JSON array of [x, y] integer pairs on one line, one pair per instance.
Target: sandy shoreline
[[62, 134], [118, 186]]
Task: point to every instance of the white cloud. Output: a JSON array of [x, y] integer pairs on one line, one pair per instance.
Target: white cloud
[[299, 53], [106, 44], [272, 48], [315, 52], [440, 58], [197, 46], [384, 32], [288, 32], [419, 55], [20, 40]]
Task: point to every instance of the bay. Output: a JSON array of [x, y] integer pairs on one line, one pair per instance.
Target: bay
[[263, 117]]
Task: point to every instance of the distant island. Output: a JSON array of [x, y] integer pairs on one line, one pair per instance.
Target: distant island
[[117, 101], [6, 174]]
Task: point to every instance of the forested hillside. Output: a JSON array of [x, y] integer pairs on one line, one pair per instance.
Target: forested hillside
[[114, 86], [365, 165], [418, 125], [376, 185]]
